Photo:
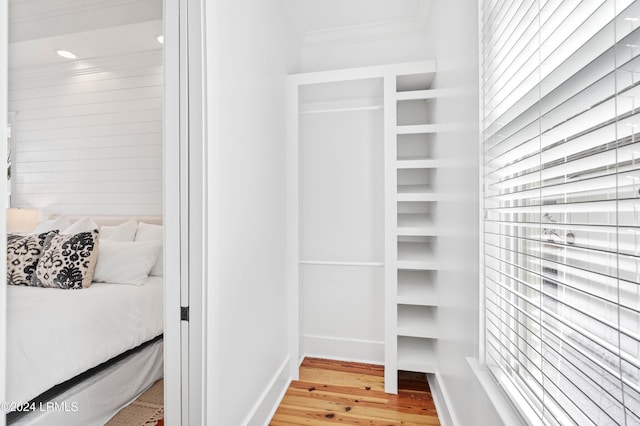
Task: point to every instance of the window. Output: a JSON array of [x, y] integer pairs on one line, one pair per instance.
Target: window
[[560, 93]]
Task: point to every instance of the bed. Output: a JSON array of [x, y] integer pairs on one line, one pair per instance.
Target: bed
[[79, 356]]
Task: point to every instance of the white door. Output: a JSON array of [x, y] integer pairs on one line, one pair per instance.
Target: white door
[[4, 24], [184, 153]]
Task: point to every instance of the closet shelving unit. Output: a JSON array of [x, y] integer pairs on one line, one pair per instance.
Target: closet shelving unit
[[412, 231], [410, 200]]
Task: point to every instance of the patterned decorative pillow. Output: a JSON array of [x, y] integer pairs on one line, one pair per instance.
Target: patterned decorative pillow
[[68, 261], [23, 254]]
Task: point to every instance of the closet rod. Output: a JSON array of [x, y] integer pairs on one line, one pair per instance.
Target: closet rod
[[325, 262], [346, 109]]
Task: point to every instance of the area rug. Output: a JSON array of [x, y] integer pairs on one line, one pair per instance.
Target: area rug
[[147, 410]]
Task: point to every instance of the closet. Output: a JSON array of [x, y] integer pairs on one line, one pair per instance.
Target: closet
[[362, 177]]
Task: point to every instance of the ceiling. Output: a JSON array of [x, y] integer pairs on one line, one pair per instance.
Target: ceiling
[[104, 42], [98, 28], [339, 20], [88, 28]]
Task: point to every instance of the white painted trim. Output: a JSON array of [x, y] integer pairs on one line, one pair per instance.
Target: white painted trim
[[335, 263], [481, 286], [267, 403], [343, 359], [442, 400], [390, 237], [292, 227], [363, 73], [172, 235], [507, 412], [344, 349], [183, 202], [4, 43], [197, 205]]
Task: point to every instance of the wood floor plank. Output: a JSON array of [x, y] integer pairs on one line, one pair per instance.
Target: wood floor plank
[[403, 404], [379, 412], [349, 393], [356, 380], [344, 366]]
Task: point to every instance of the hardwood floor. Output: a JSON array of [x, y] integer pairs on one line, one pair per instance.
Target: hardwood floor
[[331, 392]]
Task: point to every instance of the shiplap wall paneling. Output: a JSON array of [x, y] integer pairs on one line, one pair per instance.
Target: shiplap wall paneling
[[88, 136]]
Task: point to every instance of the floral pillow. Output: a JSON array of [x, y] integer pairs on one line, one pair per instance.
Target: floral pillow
[[68, 261], [23, 254]]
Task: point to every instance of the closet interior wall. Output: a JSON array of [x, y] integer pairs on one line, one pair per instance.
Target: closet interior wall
[[341, 220]]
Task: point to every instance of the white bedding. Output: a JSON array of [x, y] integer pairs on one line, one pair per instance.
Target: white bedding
[[54, 335]]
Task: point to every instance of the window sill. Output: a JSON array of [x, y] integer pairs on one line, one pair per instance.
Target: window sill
[[507, 412]]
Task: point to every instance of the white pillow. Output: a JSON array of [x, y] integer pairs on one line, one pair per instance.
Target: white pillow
[[150, 232], [125, 262], [123, 232], [57, 224], [86, 224]]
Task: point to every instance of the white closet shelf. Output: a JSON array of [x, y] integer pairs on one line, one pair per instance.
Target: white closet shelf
[[418, 256], [417, 288], [417, 321], [424, 331], [416, 224], [415, 193], [417, 95], [417, 298], [417, 163], [416, 355], [423, 265], [418, 365], [417, 129]]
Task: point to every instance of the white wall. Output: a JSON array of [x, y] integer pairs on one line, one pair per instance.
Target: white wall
[[88, 136], [392, 49], [342, 220], [247, 61], [458, 212]]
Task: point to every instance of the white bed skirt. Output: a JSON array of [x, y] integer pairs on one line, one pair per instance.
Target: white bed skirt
[[96, 400]]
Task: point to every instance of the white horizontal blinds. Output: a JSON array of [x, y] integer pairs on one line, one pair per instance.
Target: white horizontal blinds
[[562, 231], [628, 129]]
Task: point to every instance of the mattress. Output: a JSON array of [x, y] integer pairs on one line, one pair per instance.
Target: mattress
[[54, 335]]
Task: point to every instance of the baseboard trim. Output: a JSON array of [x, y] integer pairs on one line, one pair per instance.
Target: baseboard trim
[[268, 402], [442, 400], [366, 351]]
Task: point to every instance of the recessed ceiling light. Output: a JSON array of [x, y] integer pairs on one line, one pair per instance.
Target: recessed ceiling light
[[160, 39], [66, 54]]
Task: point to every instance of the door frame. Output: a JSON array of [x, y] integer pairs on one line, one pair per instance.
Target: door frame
[[179, 225], [4, 71], [171, 214], [184, 213]]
